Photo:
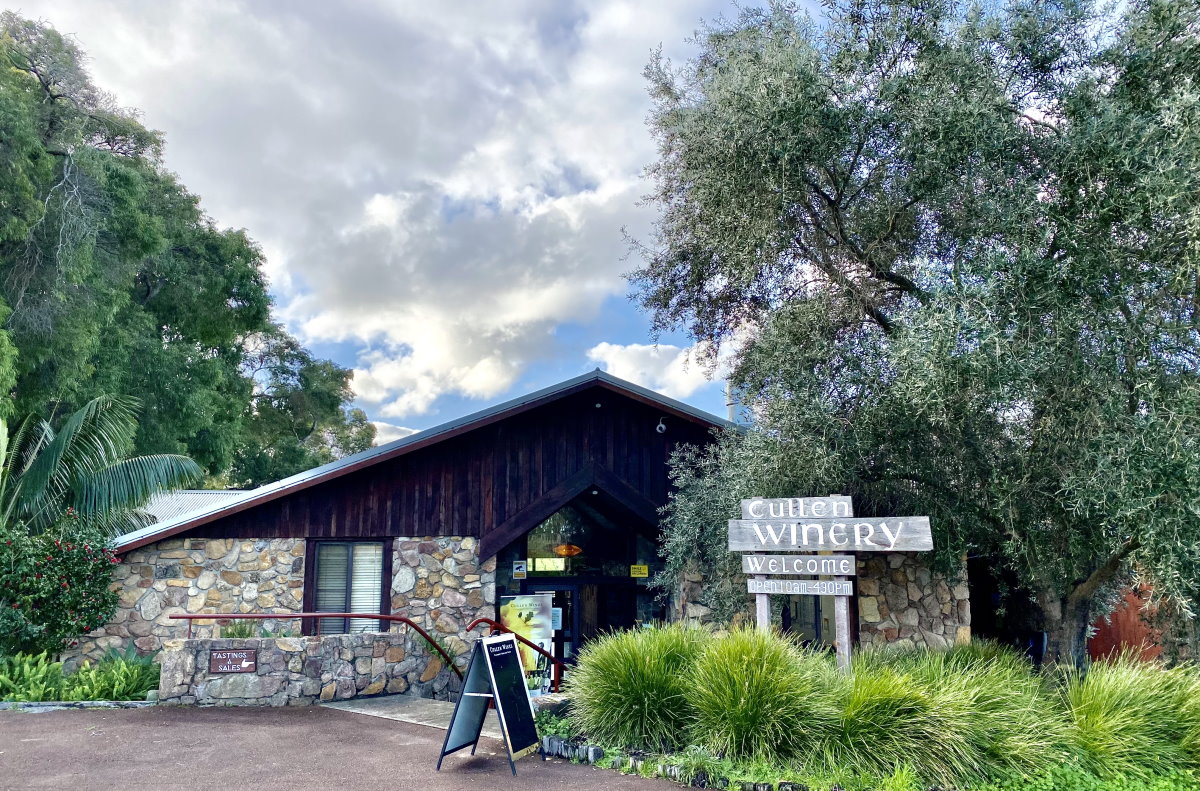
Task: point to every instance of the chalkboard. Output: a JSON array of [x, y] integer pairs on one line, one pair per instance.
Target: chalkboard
[[511, 695], [494, 675]]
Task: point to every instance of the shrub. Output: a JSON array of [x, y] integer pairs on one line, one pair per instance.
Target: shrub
[[52, 588], [628, 688], [758, 695], [35, 677], [1135, 718]]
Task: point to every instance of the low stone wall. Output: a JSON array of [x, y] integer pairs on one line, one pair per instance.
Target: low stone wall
[[195, 575], [297, 671], [902, 602]]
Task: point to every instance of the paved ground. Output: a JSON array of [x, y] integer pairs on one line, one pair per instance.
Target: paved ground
[[409, 708], [278, 749]]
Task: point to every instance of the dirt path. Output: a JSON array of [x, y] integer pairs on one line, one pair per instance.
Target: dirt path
[[243, 749]]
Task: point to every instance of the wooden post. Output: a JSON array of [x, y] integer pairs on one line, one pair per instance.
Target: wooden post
[[841, 628], [762, 608]]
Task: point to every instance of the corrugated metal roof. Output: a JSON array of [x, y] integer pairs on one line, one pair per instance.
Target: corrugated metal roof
[[421, 438], [166, 506]]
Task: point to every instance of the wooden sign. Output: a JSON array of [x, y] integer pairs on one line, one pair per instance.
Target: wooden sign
[[801, 587], [859, 534], [494, 675], [839, 565], [797, 507], [233, 660]]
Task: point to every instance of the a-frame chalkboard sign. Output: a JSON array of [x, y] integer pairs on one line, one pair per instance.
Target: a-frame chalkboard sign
[[494, 674]]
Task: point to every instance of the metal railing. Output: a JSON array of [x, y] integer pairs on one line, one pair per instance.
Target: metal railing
[[374, 616], [558, 664]]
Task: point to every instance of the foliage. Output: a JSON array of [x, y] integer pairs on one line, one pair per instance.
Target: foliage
[[751, 691], [630, 688], [549, 724], [114, 281], [54, 586], [1072, 778], [85, 468], [956, 246], [1132, 718], [239, 628], [755, 706], [36, 678]]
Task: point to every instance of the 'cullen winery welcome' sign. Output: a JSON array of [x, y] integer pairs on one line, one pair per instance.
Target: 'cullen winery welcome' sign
[[816, 524]]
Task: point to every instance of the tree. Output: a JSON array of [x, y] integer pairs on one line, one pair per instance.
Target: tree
[[962, 245], [296, 419], [117, 283], [63, 494]]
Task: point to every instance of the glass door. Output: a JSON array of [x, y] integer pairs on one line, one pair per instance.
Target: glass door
[[566, 600]]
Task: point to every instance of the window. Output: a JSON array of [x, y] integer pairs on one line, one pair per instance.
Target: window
[[349, 578]]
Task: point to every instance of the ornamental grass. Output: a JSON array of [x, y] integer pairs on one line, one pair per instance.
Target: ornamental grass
[[955, 719], [629, 689], [759, 696], [1131, 717]]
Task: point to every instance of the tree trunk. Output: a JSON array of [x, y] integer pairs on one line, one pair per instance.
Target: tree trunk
[[1067, 619]]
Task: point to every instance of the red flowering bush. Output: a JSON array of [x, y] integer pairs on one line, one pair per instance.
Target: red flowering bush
[[54, 586]]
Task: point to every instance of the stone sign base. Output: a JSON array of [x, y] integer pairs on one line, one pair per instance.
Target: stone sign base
[[298, 671]]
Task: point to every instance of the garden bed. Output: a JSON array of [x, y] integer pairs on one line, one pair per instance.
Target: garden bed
[[754, 712]]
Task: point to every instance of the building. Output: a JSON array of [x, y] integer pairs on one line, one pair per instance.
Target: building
[[567, 481]]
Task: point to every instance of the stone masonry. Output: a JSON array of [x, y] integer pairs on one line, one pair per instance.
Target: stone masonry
[[901, 602], [295, 671], [440, 584], [195, 575]]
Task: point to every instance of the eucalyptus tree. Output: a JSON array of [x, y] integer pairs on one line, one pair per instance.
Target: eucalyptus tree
[[960, 244]]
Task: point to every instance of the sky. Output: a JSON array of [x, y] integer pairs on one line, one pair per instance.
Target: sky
[[440, 189]]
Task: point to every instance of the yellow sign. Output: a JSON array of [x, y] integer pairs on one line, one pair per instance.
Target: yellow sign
[[549, 564], [639, 571]]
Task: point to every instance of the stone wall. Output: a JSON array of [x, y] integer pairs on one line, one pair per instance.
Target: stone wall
[[902, 602], [196, 575], [440, 584], [294, 671]]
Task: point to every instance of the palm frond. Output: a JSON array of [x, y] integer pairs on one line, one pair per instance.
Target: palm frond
[[101, 431], [127, 484]]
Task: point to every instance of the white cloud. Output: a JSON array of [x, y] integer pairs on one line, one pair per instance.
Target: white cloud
[[439, 184], [387, 432], [671, 370]]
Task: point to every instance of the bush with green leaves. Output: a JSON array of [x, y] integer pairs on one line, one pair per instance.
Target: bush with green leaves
[[54, 586], [758, 695], [1135, 718], [630, 688], [36, 678]]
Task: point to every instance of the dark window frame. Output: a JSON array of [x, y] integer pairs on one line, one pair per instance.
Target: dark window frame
[[309, 625]]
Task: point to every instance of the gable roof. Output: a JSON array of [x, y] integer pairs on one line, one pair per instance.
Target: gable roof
[[243, 500], [165, 506]]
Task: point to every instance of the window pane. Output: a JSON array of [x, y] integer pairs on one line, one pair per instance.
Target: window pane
[[366, 585], [332, 562]]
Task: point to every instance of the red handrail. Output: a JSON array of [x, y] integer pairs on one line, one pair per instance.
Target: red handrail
[[559, 665], [215, 616]]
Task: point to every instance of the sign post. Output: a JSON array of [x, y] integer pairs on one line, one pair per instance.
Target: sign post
[[816, 524]]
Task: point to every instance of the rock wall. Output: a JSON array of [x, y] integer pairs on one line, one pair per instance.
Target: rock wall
[[196, 575], [902, 602], [293, 671], [440, 584]]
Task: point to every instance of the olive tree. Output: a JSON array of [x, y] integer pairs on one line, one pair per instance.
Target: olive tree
[[960, 247]]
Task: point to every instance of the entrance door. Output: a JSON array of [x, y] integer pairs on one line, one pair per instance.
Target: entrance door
[[566, 598]]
